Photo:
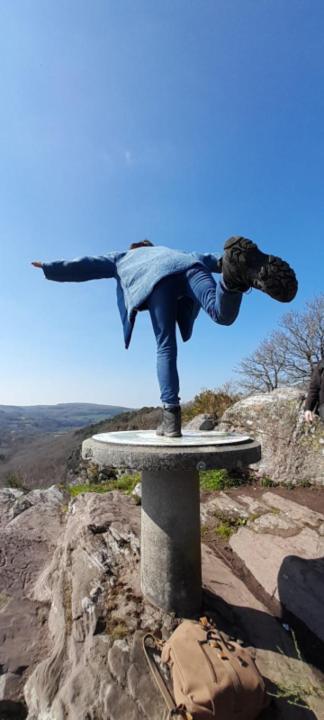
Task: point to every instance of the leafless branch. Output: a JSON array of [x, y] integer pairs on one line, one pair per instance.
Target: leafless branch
[[289, 354]]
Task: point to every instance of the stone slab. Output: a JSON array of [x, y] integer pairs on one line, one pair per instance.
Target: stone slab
[[255, 506], [274, 649], [223, 506], [299, 513], [267, 557], [275, 525], [264, 554]]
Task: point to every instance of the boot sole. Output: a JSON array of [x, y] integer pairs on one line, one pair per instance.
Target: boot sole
[[271, 274]]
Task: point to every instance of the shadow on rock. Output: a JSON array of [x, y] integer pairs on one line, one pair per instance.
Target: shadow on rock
[[301, 593], [277, 656], [285, 708], [11, 710], [256, 628]]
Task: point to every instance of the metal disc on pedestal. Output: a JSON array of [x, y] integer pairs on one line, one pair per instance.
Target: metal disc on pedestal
[[188, 439]]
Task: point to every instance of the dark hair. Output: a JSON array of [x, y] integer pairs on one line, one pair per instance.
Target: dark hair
[[142, 243]]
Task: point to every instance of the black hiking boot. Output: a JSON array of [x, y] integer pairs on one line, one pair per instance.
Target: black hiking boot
[[171, 422], [245, 266]]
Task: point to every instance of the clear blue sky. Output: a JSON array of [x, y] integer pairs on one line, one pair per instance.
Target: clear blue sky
[[184, 121]]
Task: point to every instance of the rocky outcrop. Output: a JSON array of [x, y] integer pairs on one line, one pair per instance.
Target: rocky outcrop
[[292, 451], [29, 528], [73, 617], [71, 612], [203, 421], [95, 665]]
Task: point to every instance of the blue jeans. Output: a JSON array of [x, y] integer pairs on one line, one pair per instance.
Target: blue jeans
[[220, 304]]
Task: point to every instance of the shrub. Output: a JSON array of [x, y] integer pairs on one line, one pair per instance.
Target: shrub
[[15, 481], [213, 402]]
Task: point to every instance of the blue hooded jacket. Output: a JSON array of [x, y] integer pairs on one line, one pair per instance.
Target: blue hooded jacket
[[137, 272]]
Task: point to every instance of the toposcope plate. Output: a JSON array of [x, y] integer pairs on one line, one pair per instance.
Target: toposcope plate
[[188, 439]]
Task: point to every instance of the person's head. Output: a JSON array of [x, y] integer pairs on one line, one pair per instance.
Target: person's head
[[142, 243]]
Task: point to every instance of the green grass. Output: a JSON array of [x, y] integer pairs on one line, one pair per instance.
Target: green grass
[[220, 480], [255, 516], [209, 480], [227, 527], [126, 483], [292, 486], [265, 481], [296, 693], [304, 483]]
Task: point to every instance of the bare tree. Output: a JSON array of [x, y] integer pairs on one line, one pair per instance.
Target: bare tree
[[302, 339], [289, 354], [263, 370]]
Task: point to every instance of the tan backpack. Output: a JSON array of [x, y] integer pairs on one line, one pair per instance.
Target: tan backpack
[[213, 679]]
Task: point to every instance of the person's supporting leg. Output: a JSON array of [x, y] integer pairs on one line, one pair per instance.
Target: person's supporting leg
[[221, 304], [162, 305]]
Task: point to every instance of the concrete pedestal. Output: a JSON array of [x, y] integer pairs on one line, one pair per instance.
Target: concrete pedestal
[[170, 531], [170, 541]]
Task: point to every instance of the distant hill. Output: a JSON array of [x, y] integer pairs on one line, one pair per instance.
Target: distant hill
[[39, 460], [25, 420]]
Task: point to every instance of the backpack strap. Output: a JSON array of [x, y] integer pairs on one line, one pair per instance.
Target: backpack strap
[[173, 709]]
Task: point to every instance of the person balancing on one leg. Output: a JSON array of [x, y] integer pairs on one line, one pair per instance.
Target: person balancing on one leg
[[173, 286]]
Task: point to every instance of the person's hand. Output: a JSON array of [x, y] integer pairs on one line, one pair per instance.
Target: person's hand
[[37, 264], [309, 416]]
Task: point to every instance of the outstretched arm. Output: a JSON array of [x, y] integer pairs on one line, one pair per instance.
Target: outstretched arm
[[86, 268]]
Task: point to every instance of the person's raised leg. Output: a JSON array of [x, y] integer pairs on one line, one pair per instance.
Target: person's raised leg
[[222, 305], [162, 305], [244, 266]]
